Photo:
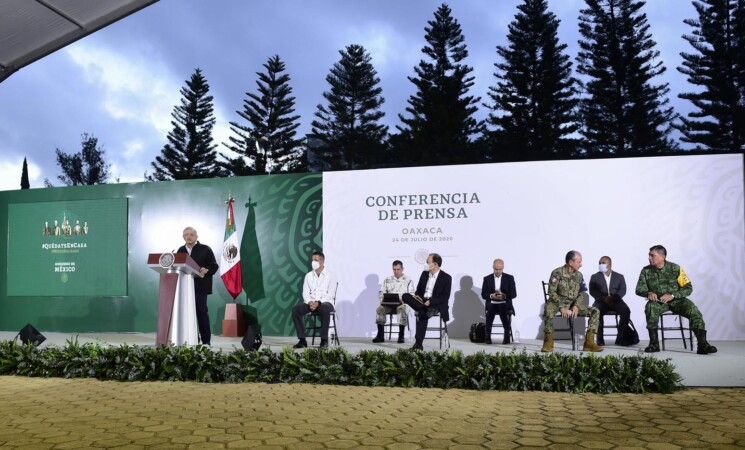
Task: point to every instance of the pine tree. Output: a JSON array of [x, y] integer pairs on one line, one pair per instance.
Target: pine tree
[[266, 142], [87, 167], [189, 152], [535, 94], [717, 68], [441, 123], [623, 113], [24, 176], [348, 127]]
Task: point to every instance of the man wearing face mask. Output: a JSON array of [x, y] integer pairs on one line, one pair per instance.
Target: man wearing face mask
[[608, 288], [319, 288], [564, 294], [432, 293]]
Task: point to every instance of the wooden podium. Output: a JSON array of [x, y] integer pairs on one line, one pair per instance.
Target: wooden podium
[[177, 315]]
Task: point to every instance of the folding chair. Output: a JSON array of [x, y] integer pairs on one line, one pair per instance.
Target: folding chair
[[495, 325], [570, 321], [441, 329], [679, 327], [391, 325], [313, 324]]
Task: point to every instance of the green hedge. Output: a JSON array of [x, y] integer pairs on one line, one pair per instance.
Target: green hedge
[[516, 371]]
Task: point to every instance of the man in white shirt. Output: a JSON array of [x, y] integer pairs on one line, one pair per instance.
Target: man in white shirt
[[319, 289], [399, 284]]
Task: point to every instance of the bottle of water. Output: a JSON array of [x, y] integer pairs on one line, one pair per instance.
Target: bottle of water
[[516, 336], [579, 341]]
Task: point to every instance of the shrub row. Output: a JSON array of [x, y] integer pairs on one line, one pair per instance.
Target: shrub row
[[516, 371]]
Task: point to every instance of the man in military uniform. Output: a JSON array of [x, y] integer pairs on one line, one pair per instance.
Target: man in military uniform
[[666, 287], [564, 295], [399, 284]]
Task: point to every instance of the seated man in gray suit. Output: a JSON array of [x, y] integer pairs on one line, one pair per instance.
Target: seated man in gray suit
[[608, 288]]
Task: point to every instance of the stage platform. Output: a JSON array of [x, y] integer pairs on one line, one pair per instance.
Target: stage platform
[[726, 368]]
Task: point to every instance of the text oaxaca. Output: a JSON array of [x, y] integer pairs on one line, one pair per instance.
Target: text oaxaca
[[422, 206]]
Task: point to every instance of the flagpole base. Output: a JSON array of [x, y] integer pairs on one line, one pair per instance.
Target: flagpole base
[[233, 324]]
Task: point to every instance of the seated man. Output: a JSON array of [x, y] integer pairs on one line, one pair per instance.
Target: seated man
[[666, 287], [319, 288], [608, 288], [498, 289], [432, 293], [564, 294], [399, 284]]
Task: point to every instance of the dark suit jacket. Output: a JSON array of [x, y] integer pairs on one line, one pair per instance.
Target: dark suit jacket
[[440, 292], [203, 256], [507, 288], [599, 288]]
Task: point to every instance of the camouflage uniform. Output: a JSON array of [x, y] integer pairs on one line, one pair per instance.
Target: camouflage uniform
[[564, 292], [665, 281], [393, 285]]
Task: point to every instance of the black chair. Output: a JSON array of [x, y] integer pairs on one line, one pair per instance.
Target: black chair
[[614, 314], [679, 327], [441, 329], [570, 321], [391, 325], [313, 324], [495, 326]]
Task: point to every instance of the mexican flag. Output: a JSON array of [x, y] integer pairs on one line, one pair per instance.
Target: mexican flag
[[230, 267]]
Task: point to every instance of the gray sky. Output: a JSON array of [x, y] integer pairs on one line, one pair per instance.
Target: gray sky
[[121, 83]]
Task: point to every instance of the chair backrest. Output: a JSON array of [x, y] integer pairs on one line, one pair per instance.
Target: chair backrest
[[545, 291], [336, 290]]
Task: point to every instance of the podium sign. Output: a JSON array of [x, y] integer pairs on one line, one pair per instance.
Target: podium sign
[[177, 314]]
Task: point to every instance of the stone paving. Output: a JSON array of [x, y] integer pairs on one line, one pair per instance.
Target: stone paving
[[66, 414]]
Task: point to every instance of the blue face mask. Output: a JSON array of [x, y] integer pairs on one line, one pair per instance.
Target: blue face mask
[[602, 267]]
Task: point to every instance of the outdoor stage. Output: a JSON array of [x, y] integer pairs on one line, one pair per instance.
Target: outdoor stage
[[726, 368]]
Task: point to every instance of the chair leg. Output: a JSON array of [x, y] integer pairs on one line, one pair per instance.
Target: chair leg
[[447, 338], [571, 332], [682, 333]]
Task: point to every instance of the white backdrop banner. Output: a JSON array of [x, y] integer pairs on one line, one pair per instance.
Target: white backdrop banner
[[530, 214]]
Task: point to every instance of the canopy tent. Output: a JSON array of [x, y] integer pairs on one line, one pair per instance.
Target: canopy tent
[[32, 29]]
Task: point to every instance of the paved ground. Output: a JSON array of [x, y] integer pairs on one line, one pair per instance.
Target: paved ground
[[57, 413]]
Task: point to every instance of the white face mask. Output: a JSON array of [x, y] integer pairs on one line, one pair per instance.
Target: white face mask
[[603, 267], [426, 267], [315, 265]]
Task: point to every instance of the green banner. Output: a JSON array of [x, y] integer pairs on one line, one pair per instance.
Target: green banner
[[67, 248]]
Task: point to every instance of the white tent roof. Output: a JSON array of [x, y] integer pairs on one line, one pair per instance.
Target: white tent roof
[[32, 29]]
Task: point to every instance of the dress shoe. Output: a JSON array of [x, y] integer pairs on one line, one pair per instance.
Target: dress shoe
[[401, 340], [417, 346], [302, 343], [487, 340], [324, 343]]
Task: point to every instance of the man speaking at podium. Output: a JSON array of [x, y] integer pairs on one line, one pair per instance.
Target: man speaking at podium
[[203, 256]]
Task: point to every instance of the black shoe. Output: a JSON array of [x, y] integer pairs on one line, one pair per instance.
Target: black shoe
[[487, 340], [417, 346], [506, 338], [378, 338], [302, 343], [401, 340], [705, 349], [600, 341], [652, 348], [324, 343]]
